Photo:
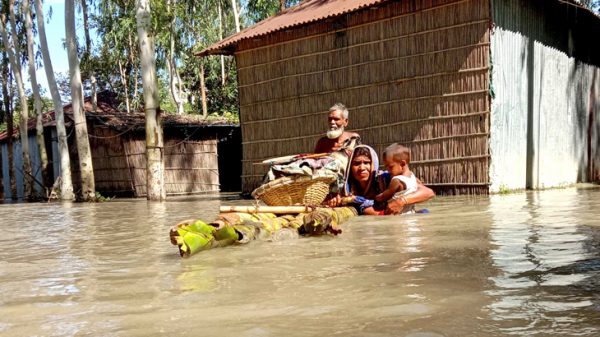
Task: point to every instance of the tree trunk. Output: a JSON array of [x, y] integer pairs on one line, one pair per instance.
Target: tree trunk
[[236, 16], [66, 182], [36, 96], [175, 85], [135, 70], [1, 174], [14, 56], [203, 91], [154, 134], [221, 38], [88, 189], [124, 83], [88, 51], [9, 125]]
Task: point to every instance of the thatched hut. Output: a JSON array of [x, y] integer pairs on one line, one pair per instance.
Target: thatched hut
[[117, 140], [476, 88]]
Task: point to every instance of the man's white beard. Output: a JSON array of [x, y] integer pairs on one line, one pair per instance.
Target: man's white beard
[[335, 133]]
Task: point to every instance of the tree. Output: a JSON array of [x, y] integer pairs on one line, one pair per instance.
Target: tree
[[259, 10], [116, 60], [26, 13], [236, 16], [66, 182], [88, 188], [154, 134], [14, 57], [87, 53], [9, 121], [174, 79]]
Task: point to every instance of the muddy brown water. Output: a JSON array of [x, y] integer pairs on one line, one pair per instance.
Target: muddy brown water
[[504, 265]]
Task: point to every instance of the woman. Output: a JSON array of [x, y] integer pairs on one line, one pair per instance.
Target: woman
[[363, 182]]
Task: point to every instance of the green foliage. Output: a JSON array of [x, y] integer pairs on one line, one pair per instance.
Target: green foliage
[[189, 26], [259, 10], [100, 198], [503, 189]]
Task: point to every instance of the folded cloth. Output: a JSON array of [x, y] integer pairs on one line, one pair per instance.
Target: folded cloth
[[306, 166]]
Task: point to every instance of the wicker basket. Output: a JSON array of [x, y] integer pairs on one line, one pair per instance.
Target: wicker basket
[[295, 190]]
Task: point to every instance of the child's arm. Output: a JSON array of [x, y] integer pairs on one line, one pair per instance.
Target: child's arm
[[395, 186]]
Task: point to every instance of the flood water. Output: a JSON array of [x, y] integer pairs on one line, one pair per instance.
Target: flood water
[[504, 265]]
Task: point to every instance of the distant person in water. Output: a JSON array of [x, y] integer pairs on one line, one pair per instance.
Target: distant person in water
[[337, 137], [396, 158]]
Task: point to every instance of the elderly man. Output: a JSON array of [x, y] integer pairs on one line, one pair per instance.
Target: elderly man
[[337, 134]]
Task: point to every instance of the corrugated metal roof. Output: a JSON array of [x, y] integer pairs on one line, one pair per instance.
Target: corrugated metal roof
[[305, 12]]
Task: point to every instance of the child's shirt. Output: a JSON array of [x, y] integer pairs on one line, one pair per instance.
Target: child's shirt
[[411, 186]]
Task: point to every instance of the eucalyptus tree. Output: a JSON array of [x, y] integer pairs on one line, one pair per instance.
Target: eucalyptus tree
[[26, 13], [212, 80], [117, 58], [199, 30], [236, 16], [87, 53], [6, 100], [88, 188], [175, 82], [66, 182], [14, 56], [155, 165], [222, 57]]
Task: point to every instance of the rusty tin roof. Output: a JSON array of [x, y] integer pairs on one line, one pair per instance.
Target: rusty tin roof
[[310, 11], [303, 13]]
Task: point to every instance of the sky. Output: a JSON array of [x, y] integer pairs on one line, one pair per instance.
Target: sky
[[55, 34]]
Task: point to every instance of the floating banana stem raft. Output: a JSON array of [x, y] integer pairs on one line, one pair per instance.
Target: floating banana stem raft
[[192, 236]]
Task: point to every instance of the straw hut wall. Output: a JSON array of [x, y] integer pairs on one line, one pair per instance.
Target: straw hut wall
[[190, 153], [413, 72], [117, 141]]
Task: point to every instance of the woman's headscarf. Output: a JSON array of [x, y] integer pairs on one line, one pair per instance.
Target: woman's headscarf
[[349, 179]]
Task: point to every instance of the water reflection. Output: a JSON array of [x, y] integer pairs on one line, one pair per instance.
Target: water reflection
[[548, 262]]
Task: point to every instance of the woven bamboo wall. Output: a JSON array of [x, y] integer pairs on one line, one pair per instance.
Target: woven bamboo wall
[[413, 72], [119, 161], [190, 166], [112, 174]]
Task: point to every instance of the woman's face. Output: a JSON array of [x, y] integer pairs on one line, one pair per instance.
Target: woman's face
[[361, 168]]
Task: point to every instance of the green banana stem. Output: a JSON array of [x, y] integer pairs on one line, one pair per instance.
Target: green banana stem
[[237, 228]]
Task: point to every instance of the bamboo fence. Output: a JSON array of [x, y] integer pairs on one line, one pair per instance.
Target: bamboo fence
[[413, 72]]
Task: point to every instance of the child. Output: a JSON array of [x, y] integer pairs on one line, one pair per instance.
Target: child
[[396, 158]]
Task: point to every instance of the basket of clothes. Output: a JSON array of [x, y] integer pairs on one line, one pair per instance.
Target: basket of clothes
[[295, 190], [302, 182]]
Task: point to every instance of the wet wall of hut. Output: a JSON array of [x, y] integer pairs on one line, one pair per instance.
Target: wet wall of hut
[[190, 154], [16, 190], [546, 106], [413, 72]]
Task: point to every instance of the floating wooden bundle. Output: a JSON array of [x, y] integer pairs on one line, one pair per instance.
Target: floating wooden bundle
[[192, 236]]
